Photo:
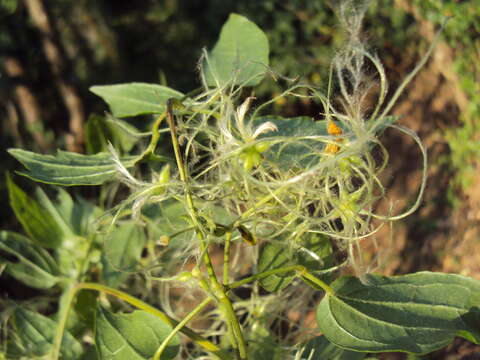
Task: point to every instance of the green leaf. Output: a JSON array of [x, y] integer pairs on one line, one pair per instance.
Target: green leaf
[[54, 212], [68, 169], [34, 335], [291, 147], [97, 135], [90, 354], [134, 99], [35, 219], [100, 131], [321, 348], [78, 215], [417, 313], [27, 262], [241, 54], [123, 246], [274, 255], [134, 336], [8, 7], [169, 218], [85, 304], [122, 251], [111, 276], [314, 252]]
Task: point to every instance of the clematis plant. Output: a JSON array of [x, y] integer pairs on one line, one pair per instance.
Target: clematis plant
[[209, 251]]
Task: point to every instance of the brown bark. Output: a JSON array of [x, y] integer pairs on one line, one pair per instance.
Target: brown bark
[[53, 53], [28, 104], [12, 123]]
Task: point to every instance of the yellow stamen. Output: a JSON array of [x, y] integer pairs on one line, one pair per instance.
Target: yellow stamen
[[333, 129]]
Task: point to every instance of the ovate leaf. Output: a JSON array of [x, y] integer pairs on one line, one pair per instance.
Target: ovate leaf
[[135, 98], [68, 169], [241, 54], [35, 219], [34, 335], [134, 336], [124, 245], [123, 248], [27, 262], [416, 313]]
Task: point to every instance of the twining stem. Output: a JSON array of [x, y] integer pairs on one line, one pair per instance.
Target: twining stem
[[217, 288], [301, 271], [68, 298], [179, 326], [235, 325], [149, 151], [226, 257]]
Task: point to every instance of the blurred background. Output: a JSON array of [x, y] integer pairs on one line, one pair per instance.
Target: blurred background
[[52, 51]]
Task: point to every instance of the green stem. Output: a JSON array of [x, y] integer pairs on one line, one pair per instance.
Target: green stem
[[179, 326], [305, 274], [301, 271], [217, 288], [149, 151], [176, 149], [64, 309], [226, 257], [235, 325], [188, 196]]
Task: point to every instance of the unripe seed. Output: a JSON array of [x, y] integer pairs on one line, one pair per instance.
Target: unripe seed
[[164, 177]]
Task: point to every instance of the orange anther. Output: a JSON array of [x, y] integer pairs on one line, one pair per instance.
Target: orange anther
[[333, 129]]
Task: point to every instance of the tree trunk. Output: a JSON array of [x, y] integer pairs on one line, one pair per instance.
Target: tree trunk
[[52, 50]]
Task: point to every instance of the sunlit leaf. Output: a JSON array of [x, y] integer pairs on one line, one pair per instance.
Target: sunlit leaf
[[240, 55], [35, 219], [134, 99], [416, 313], [68, 169]]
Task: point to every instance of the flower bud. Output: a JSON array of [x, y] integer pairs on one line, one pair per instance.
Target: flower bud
[[251, 158]]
